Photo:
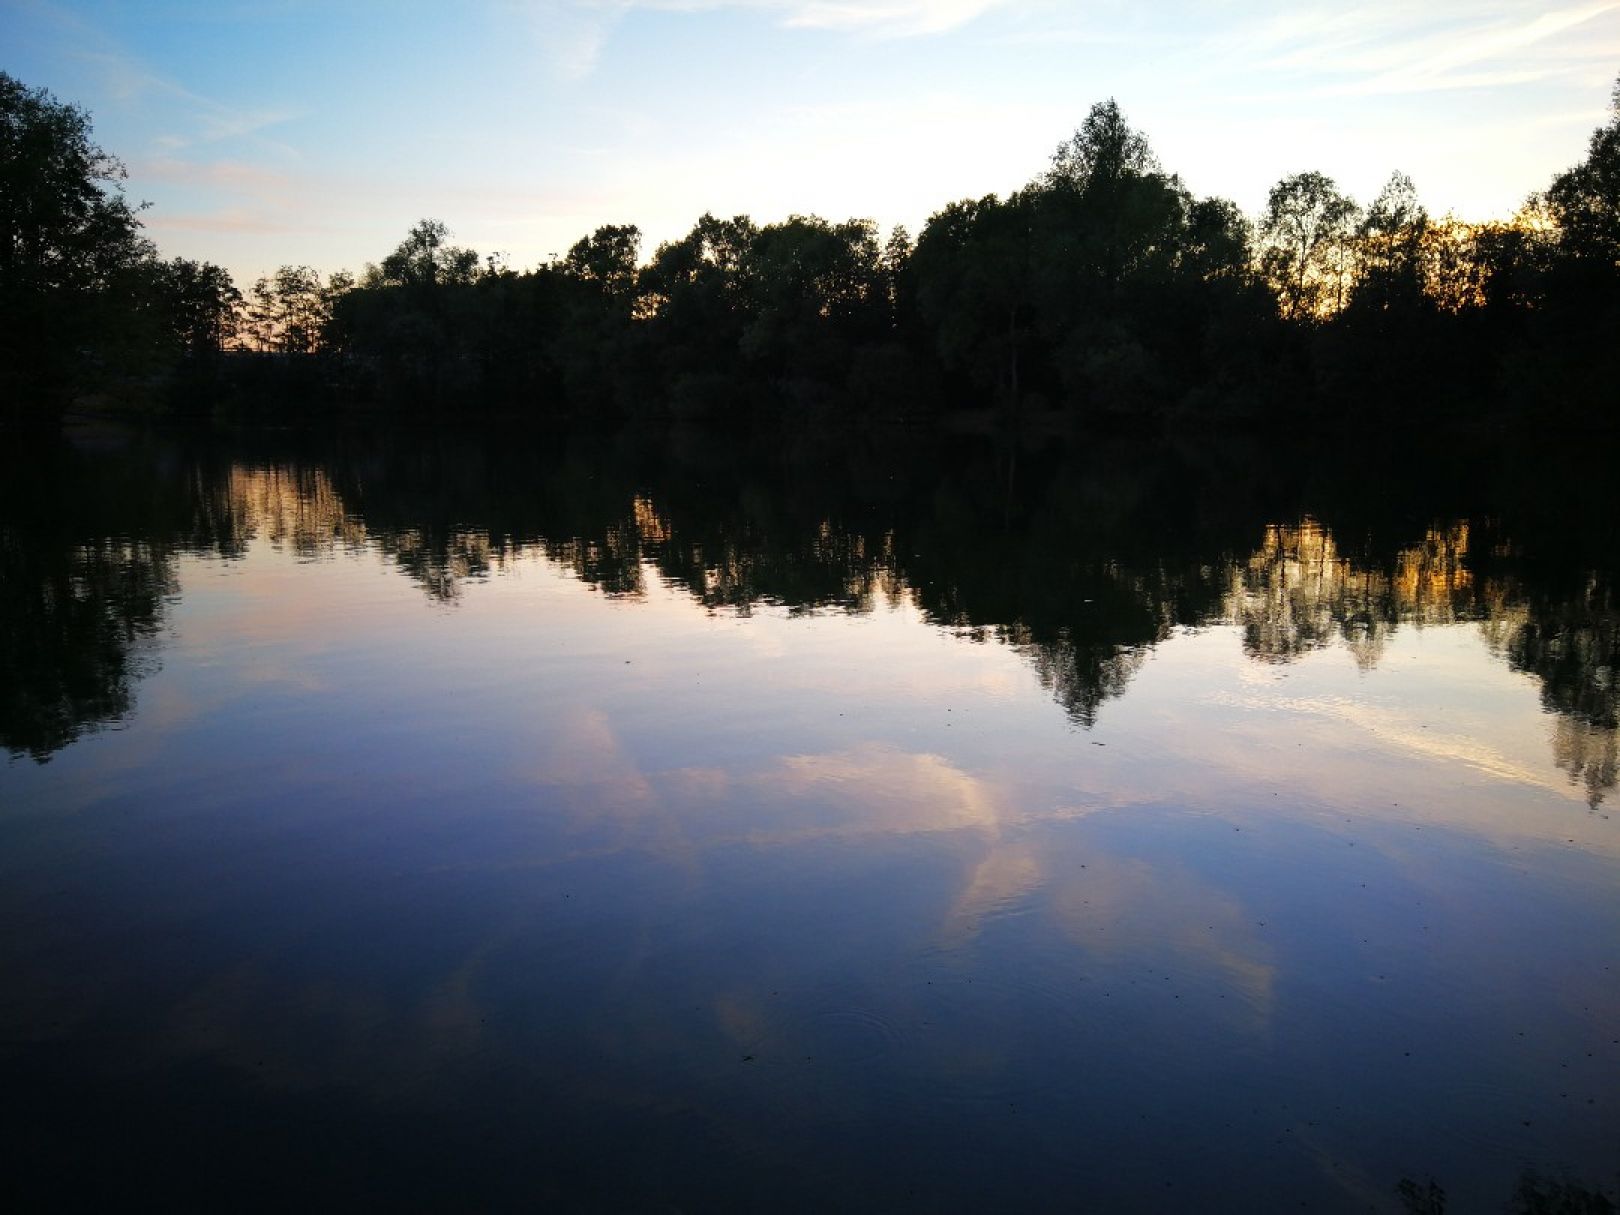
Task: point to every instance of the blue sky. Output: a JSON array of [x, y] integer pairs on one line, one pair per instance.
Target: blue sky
[[285, 131]]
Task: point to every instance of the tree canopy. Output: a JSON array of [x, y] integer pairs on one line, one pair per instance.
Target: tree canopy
[[1102, 288], [83, 296]]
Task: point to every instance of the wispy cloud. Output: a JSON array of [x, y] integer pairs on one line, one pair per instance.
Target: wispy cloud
[[886, 18], [234, 220], [194, 118], [573, 33], [220, 174], [1392, 49], [1485, 56], [570, 34]]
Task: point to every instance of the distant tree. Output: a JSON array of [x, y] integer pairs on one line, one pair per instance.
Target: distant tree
[[693, 291], [1306, 231], [1389, 271], [1104, 148], [259, 315], [1106, 208], [1575, 290], [814, 289], [425, 259], [1454, 272], [1110, 226], [896, 257], [1216, 244], [409, 324], [714, 251], [201, 305], [338, 284], [973, 273], [290, 310], [606, 258], [300, 302], [1382, 345], [594, 340]]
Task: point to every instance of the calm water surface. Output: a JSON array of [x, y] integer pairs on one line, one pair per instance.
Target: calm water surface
[[885, 825]]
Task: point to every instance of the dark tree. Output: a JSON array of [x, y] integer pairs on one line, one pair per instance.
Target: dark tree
[[1585, 200], [973, 277], [1105, 148], [607, 259], [201, 304], [426, 260], [70, 249], [1389, 270], [1306, 228], [815, 290]]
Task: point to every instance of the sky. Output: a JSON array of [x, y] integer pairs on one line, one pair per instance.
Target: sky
[[316, 132]]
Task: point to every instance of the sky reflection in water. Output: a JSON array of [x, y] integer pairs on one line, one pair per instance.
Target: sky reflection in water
[[684, 856]]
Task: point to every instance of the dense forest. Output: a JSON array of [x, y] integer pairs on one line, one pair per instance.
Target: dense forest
[[1102, 292]]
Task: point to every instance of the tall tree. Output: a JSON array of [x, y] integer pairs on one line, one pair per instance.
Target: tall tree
[[814, 289], [70, 245], [1390, 253], [1103, 148], [1109, 225], [607, 258], [1306, 228], [425, 259], [973, 277], [1585, 201], [694, 291], [201, 305]]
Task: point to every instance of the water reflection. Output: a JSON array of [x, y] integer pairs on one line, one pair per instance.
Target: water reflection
[[81, 619], [287, 505], [1078, 569], [1298, 592], [893, 826]]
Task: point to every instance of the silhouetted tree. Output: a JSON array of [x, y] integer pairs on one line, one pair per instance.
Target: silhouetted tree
[[814, 291], [1389, 266], [71, 251], [1306, 229], [693, 293], [1585, 201], [1573, 362], [1103, 284], [973, 275], [1217, 241], [1104, 149], [290, 310], [201, 304], [425, 260], [606, 259]]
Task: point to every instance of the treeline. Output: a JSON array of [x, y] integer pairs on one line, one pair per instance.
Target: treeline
[[1102, 290]]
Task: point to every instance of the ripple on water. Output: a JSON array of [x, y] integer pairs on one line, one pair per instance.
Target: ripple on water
[[833, 1029]]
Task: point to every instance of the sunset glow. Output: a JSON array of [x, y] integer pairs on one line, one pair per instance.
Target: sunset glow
[[316, 134]]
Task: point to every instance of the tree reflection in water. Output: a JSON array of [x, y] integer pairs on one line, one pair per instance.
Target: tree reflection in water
[[1080, 559]]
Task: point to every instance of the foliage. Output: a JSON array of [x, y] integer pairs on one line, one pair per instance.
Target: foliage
[[1584, 201], [425, 262], [201, 303], [70, 246], [1103, 290], [85, 303], [1307, 229]]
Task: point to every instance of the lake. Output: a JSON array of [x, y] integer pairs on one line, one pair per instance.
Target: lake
[[875, 822]]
